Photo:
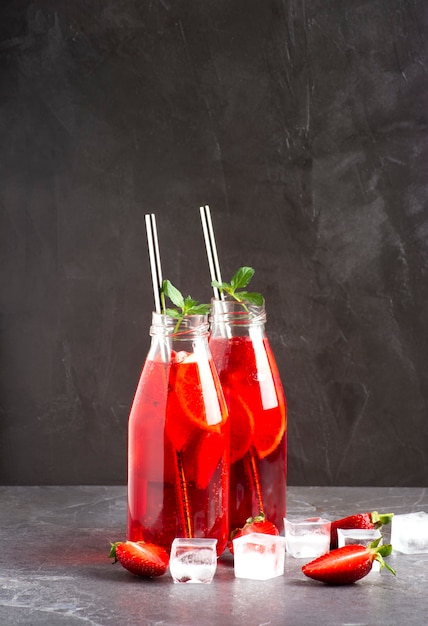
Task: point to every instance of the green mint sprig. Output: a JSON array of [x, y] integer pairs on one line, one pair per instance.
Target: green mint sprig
[[184, 306], [239, 280]]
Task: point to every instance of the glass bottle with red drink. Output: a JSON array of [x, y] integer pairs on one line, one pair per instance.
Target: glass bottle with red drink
[[178, 439], [257, 411]]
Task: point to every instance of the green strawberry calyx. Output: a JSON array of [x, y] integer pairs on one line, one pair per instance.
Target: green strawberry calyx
[[380, 519], [251, 520], [381, 551], [112, 554], [257, 518]]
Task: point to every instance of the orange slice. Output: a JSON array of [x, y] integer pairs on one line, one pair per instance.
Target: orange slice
[[201, 457], [269, 430], [186, 410], [241, 425]]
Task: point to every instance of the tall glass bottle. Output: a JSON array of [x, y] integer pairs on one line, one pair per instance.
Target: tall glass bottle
[[257, 411], [178, 439]]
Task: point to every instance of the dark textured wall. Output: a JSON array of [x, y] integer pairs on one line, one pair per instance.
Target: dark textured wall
[[303, 124]]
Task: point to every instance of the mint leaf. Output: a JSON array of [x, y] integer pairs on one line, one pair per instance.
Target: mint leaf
[[252, 298], [200, 309], [184, 306], [239, 280], [242, 277], [172, 312], [188, 303], [215, 283], [172, 293]]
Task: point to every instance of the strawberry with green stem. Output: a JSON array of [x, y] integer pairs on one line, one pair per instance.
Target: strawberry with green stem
[[146, 560], [257, 524], [346, 565], [369, 521]]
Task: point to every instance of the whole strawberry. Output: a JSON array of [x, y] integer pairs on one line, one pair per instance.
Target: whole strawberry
[[257, 524], [359, 521], [348, 564], [141, 559]]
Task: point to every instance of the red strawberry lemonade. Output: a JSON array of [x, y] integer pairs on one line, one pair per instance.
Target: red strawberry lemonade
[[178, 441], [257, 411]]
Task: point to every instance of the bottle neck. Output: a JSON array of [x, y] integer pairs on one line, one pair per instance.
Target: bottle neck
[[190, 327], [231, 318], [171, 335]]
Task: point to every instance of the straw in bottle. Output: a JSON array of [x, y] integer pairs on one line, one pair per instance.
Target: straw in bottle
[[182, 497], [214, 266]]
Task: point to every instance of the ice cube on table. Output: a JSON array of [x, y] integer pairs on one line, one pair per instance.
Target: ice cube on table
[[409, 533], [193, 560], [307, 538], [359, 536], [258, 556]]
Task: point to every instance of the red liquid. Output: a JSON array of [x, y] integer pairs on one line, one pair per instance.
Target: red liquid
[[257, 413], [177, 460]]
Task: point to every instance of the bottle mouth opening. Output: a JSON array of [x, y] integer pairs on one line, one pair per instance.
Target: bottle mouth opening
[[236, 313], [189, 326]]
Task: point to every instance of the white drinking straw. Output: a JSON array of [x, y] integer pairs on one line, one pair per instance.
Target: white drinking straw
[[154, 256], [156, 271], [157, 253], [249, 459], [211, 248], [182, 496]]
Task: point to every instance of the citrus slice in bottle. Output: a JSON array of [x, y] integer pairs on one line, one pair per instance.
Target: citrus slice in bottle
[[269, 430], [201, 456], [241, 425], [186, 409]]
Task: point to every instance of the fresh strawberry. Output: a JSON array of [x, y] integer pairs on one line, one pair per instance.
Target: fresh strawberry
[[348, 564], [257, 524], [359, 521], [141, 559]]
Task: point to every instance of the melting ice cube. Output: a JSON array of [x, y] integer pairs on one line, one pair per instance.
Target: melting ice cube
[[409, 533], [258, 556], [193, 560], [307, 538]]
